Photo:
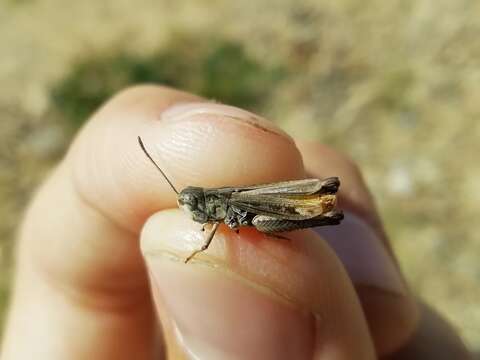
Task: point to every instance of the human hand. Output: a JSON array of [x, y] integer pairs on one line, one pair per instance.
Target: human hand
[[82, 290]]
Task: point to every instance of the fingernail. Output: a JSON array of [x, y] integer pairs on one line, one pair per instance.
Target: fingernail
[[363, 254], [216, 315], [198, 110]]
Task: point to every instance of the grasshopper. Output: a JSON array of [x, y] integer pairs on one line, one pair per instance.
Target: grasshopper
[[270, 208]]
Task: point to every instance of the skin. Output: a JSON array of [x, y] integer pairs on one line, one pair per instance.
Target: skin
[[84, 289]]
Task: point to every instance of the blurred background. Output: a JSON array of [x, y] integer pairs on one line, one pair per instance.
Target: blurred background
[[394, 84]]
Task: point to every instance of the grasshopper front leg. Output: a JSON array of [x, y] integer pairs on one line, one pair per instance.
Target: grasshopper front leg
[[206, 244]]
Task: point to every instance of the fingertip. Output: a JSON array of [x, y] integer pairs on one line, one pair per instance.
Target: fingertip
[[197, 143], [216, 145], [294, 290], [209, 311]]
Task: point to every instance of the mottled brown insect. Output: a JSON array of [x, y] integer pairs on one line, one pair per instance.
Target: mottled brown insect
[[270, 208]]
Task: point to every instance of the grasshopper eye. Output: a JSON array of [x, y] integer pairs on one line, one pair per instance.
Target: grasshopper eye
[[187, 199]]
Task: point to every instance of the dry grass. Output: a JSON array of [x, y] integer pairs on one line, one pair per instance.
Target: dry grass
[[395, 84]]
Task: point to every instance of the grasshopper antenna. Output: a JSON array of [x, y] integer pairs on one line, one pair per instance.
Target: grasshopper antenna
[[154, 163]]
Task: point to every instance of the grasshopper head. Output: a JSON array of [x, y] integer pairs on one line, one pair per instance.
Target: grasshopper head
[[192, 201]]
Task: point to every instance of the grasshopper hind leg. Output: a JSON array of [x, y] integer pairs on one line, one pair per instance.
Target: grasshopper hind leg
[[269, 224]]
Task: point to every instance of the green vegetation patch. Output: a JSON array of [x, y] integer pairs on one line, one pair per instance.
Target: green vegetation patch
[[223, 71]]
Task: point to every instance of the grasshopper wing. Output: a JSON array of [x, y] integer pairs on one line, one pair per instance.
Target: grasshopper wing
[[295, 187], [289, 206]]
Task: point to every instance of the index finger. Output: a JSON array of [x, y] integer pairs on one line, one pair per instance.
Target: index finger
[[78, 251]]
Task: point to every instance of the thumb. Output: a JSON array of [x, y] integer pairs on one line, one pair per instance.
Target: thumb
[[250, 296]]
